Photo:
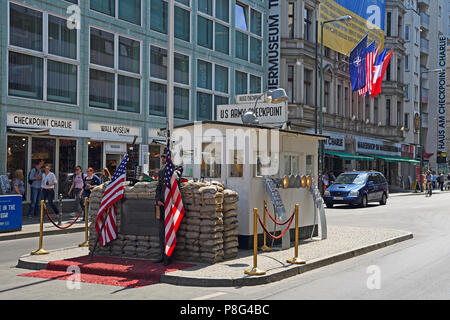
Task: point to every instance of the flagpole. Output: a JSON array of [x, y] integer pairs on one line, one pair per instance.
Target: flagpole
[[108, 210]]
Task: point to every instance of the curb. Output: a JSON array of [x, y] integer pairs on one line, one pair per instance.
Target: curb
[[5, 237], [247, 280], [292, 271]]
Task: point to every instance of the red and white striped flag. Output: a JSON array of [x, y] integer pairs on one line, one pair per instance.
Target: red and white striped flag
[[173, 205], [113, 193], [370, 60]]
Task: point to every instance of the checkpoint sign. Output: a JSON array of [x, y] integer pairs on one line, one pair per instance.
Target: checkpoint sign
[[265, 112]]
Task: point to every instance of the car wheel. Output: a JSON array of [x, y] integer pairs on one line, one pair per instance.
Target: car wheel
[[329, 204], [383, 199], [364, 201]]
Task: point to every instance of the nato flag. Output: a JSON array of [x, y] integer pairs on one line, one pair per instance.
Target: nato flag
[[357, 65]]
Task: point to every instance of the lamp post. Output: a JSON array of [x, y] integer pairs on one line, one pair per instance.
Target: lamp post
[[276, 96], [322, 23], [420, 124]]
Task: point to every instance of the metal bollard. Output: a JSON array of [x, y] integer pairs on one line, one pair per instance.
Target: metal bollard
[[255, 270], [265, 248], [60, 209], [41, 230], [86, 242], [296, 259]]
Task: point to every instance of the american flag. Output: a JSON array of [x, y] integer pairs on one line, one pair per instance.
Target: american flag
[[173, 205], [113, 193], [370, 60]]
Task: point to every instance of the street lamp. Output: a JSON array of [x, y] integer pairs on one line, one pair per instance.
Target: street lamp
[[346, 19], [420, 124], [275, 96]]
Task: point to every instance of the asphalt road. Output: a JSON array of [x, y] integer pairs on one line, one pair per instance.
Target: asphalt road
[[413, 269]]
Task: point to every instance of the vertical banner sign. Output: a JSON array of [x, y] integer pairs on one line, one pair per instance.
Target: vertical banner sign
[[442, 82], [273, 45], [367, 18]]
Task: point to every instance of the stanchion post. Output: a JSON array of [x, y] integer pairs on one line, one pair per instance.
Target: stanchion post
[[86, 241], [296, 259], [265, 248], [255, 270], [41, 231]]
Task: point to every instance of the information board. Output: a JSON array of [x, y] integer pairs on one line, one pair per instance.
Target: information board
[[10, 213]]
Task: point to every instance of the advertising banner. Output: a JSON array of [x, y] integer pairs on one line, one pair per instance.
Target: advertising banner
[[442, 87], [367, 18]]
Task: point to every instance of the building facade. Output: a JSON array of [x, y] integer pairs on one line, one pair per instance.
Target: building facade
[[381, 127], [80, 79]]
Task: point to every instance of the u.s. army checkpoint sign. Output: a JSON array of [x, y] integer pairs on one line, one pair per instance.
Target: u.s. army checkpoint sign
[[265, 112]]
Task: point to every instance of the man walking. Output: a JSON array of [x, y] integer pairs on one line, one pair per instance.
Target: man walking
[[48, 188], [35, 177]]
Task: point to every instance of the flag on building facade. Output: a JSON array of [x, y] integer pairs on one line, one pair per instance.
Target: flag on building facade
[[357, 67], [377, 68], [376, 89], [107, 210], [173, 205], [370, 59]]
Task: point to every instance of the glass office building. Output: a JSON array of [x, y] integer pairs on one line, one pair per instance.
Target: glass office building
[[80, 78]]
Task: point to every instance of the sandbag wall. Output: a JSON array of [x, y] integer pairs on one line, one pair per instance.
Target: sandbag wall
[[208, 231], [126, 245]]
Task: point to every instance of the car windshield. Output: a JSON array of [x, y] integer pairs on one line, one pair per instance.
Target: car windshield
[[352, 178]]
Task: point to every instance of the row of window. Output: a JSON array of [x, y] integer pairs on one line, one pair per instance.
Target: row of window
[[47, 69]]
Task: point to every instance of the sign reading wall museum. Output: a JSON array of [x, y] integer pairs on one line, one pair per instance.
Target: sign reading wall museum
[[441, 105], [35, 121], [265, 112], [273, 45], [114, 128]]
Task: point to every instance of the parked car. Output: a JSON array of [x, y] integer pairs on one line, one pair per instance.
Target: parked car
[[357, 188]]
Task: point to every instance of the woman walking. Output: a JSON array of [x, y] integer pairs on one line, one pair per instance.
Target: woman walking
[[77, 187]]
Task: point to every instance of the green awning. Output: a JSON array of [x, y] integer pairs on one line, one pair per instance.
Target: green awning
[[348, 156], [396, 159]]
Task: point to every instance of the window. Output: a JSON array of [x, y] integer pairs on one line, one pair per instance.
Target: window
[[67, 162], [42, 57], [212, 86], [248, 34], [17, 156], [181, 68], [255, 84], [406, 63], [211, 166], [307, 95], [181, 88], [213, 25], [290, 80], [388, 112], [406, 32], [339, 100], [236, 168], [114, 81], [291, 165], [326, 102], [388, 24], [182, 24], [158, 81], [181, 103], [291, 20], [406, 92], [127, 10], [159, 16], [307, 18], [241, 83], [406, 121]]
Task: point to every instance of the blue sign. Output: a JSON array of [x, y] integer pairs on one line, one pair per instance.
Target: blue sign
[[10, 213], [370, 10]]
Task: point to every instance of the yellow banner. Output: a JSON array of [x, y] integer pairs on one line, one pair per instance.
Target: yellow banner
[[344, 36]]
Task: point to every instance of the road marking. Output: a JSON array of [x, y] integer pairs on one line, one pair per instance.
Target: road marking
[[209, 296]]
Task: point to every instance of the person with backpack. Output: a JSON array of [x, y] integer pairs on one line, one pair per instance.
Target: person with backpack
[[34, 179], [89, 182]]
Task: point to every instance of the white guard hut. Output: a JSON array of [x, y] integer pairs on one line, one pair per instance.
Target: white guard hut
[[241, 157]]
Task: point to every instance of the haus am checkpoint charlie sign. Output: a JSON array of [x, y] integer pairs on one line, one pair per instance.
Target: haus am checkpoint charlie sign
[[265, 112]]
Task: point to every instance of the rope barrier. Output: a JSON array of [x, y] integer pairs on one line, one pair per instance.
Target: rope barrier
[[51, 220], [279, 236], [273, 219]]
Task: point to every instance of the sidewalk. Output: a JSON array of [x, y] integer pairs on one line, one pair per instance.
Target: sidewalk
[[342, 243], [31, 226], [412, 193]]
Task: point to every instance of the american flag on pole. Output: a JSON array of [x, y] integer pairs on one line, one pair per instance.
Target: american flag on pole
[[113, 193], [370, 60], [173, 205]]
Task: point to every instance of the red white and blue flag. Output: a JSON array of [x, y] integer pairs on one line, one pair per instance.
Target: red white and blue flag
[[370, 60], [173, 205], [380, 70], [113, 193]]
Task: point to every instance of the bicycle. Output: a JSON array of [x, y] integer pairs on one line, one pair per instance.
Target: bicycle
[[429, 189]]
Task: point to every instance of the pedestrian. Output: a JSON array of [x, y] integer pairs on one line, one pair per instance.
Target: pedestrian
[[18, 184], [441, 180], [48, 183], [77, 188], [159, 197], [106, 176], [325, 180], [332, 177], [434, 178], [34, 178], [89, 182]]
